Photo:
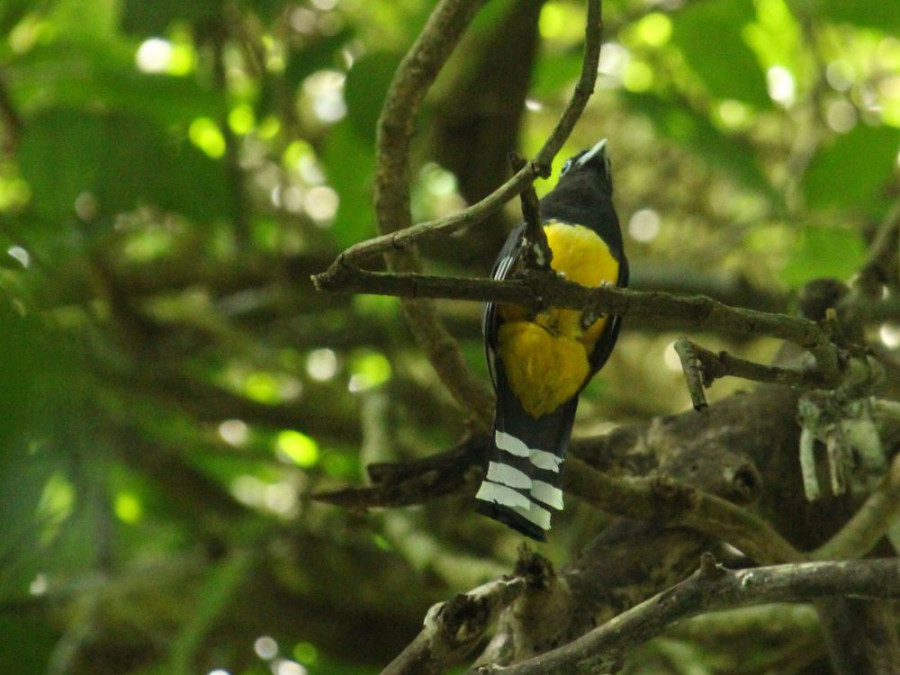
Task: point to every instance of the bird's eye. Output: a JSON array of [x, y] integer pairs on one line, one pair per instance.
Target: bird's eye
[[566, 167]]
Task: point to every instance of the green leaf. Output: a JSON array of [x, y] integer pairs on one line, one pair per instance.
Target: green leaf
[[697, 134], [823, 252], [365, 89], [122, 161], [153, 18], [86, 74], [852, 169], [883, 15], [25, 645], [350, 164], [709, 34]]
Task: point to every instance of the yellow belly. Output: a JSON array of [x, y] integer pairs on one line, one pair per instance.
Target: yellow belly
[[545, 356]]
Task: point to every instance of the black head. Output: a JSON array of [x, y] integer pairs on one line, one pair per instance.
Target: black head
[[583, 195], [592, 164]]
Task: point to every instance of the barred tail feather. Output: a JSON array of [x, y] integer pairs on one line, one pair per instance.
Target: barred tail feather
[[523, 478]]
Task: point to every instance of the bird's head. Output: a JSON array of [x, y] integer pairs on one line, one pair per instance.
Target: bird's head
[[592, 163]]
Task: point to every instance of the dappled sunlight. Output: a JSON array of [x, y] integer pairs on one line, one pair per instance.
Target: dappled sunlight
[[325, 90], [782, 87], [20, 254], [234, 432], [154, 55], [643, 226], [890, 335], [39, 584], [322, 364], [266, 647], [321, 203], [293, 447], [210, 465]]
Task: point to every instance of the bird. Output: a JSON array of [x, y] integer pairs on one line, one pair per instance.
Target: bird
[[539, 361]]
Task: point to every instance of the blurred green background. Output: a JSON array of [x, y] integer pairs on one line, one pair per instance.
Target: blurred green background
[[173, 390]]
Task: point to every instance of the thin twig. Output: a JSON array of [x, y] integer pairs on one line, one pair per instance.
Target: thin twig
[[537, 253], [882, 255], [702, 367], [694, 375], [406, 235]]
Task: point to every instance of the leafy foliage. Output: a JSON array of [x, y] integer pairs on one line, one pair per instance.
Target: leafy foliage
[[174, 391]]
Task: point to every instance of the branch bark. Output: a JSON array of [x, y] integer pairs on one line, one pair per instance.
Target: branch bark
[[711, 588], [541, 290], [411, 82]]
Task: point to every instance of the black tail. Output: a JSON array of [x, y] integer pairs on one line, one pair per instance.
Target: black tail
[[523, 480]]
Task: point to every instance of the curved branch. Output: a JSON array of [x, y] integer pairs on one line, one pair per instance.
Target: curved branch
[[411, 82], [672, 504], [414, 77]]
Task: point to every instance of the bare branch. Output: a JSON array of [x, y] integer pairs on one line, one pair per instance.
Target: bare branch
[[694, 376], [870, 522], [452, 629], [672, 504], [401, 235], [537, 253], [537, 290], [712, 588], [882, 255], [702, 367]]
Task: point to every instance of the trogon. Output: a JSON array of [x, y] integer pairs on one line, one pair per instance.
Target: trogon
[[540, 361]]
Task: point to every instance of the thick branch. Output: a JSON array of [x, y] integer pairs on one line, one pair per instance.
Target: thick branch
[[452, 629], [713, 588], [411, 82], [870, 522], [672, 504]]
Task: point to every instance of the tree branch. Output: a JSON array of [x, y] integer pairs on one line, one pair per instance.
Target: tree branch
[[712, 588], [870, 522], [702, 367], [452, 629], [540, 290], [677, 505], [402, 234], [414, 77], [411, 82]]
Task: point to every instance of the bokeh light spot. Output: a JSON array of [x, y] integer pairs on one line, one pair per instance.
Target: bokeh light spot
[[643, 226], [297, 448], [265, 647], [781, 85], [321, 364], [241, 119], [655, 29], [234, 432], [206, 135], [128, 507], [154, 55]]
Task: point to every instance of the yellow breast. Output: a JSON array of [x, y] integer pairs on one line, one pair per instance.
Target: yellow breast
[[545, 356]]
